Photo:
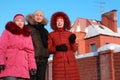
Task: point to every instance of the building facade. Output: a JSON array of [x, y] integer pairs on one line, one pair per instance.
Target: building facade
[[98, 53], [92, 34]]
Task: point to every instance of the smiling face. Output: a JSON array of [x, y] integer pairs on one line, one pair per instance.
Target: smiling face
[[19, 20], [60, 23], [38, 17], [19, 23]]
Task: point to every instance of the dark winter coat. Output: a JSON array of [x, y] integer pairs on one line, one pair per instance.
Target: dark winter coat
[[39, 41]]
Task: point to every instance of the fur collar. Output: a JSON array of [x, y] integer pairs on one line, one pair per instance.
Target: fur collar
[[31, 21], [14, 29]]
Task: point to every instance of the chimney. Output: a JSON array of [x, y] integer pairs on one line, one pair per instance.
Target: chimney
[[109, 20]]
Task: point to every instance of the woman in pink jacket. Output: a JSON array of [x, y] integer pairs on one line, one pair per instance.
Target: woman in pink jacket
[[16, 51]]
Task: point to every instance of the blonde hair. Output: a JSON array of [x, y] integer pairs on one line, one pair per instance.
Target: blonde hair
[[39, 12]]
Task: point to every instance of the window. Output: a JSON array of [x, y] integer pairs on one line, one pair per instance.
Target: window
[[93, 46], [107, 43], [101, 27]]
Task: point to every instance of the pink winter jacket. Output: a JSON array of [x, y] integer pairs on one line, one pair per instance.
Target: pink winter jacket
[[16, 52]]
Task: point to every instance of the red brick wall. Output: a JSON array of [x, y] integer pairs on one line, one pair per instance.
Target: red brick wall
[[93, 40], [109, 20], [100, 41], [117, 66], [49, 71], [109, 39], [89, 68], [106, 66], [80, 42]]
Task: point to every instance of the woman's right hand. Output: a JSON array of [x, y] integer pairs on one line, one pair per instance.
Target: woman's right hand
[[2, 67], [33, 71]]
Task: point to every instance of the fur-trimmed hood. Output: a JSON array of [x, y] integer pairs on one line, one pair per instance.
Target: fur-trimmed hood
[[67, 23], [31, 20], [14, 29]]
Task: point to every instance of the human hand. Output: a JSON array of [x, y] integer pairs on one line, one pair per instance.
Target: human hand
[[2, 67], [72, 38], [33, 71]]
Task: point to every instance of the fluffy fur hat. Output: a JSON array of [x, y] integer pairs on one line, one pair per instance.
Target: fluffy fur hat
[[67, 22]]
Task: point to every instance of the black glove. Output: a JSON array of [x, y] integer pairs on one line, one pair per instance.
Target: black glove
[[2, 67], [33, 71], [61, 47], [72, 38]]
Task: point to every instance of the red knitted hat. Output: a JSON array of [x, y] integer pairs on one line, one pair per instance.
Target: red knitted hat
[[18, 16]]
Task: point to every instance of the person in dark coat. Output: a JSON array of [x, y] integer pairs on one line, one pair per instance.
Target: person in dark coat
[[62, 44], [39, 34]]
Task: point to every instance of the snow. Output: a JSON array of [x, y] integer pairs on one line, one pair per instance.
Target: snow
[[76, 29], [87, 55], [114, 47], [94, 30], [50, 58]]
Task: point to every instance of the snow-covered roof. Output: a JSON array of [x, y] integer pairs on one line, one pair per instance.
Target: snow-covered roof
[[114, 47], [93, 30], [76, 29]]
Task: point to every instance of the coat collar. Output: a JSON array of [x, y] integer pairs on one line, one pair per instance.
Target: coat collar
[[14, 29], [31, 21], [60, 29]]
